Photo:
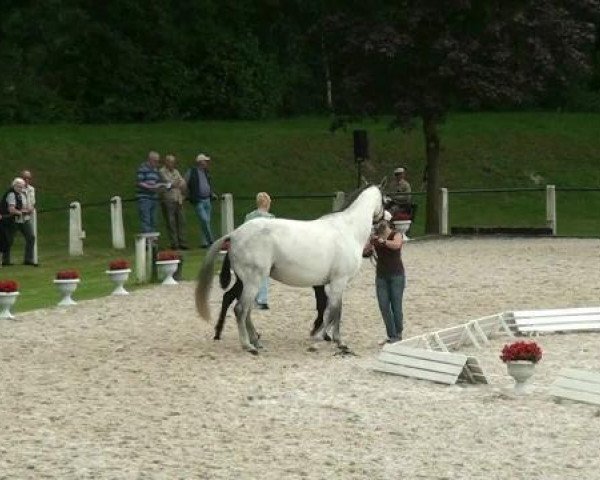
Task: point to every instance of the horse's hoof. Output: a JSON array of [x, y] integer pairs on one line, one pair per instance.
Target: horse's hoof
[[345, 353], [327, 338], [253, 351], [318, 337], [217, 337]]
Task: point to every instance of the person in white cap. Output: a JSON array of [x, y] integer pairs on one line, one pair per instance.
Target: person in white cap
[[402, 186], [200, 194]]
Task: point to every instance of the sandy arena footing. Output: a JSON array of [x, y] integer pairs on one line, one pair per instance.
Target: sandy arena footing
[[135, 387]]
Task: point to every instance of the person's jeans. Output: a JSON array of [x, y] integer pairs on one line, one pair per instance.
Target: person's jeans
[[390, 290], [263, 292], [203, 209], [147, 211]]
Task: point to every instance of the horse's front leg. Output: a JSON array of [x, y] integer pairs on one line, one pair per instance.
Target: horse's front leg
[[321, 301]]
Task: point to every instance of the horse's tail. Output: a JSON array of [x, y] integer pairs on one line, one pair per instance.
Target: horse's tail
[[225, 275], [205, 278]]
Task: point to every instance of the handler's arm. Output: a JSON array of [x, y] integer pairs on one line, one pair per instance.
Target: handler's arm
[[395, 243]]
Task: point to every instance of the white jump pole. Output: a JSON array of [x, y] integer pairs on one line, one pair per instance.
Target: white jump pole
[[551, 207], [116, 221], [338, 201], [76, 232], [227, 224], [443, 211]]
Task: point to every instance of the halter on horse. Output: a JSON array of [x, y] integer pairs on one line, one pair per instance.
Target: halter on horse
[[325, 251]]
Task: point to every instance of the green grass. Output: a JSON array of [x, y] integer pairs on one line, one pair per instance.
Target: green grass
[[38, 291], [92, 163]]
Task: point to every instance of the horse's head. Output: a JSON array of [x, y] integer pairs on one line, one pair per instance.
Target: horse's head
[[384, 199]]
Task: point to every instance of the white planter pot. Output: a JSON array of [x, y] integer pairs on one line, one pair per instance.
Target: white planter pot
[[166, 270], [7, 300], [66, 288], [521, 371], [119, 277]]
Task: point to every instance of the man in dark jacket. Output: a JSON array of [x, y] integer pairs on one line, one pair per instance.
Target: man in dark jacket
[[200, 194], [16, 210]]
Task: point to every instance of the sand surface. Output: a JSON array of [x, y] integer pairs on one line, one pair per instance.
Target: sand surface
[[135, 387]]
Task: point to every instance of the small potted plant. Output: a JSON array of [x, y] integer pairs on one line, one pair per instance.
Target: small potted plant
[[9, 291], [520, 358], [167, 262], [118, 271], [66, 281]]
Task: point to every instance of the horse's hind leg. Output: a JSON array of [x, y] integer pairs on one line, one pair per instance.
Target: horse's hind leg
[[228, 297], [242, 310], [252, 333]]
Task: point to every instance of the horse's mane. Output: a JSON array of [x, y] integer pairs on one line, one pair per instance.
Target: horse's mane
[[350, 197]]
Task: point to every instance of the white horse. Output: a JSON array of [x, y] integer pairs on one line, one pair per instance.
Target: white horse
[[325, 251]]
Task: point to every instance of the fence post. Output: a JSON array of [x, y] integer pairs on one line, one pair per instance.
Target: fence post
[[551, 207], [338, 201], [227, 225], [443, 211], [33, 221], [144, 259], [76, 232], [140, 258], [116, 222]]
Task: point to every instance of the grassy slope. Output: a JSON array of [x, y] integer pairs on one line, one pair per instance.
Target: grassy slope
[[92, 163]]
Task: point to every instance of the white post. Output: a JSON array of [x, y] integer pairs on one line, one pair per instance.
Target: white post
[[33, 221], [338, 201], [140, 258], [551, 207], [116, 221], [143, 255], [443, 211], [76, 232], [227, 225]]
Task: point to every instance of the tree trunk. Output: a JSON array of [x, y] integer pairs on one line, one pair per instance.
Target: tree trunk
[[432, 149]]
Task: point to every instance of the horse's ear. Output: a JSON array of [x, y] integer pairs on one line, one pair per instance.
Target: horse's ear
[[383, 183], [364, 181]]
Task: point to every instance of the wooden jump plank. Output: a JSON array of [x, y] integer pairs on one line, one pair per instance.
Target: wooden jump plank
[[416, 373], [420, 364], [412, 342], [441, 357], [559, 327], [558, 319], [579, 385], [556, 312], [441, 367], [576, 395], [579, 374]]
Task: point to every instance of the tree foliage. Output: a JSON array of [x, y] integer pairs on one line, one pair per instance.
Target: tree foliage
[[419, 58], [145, 60]]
